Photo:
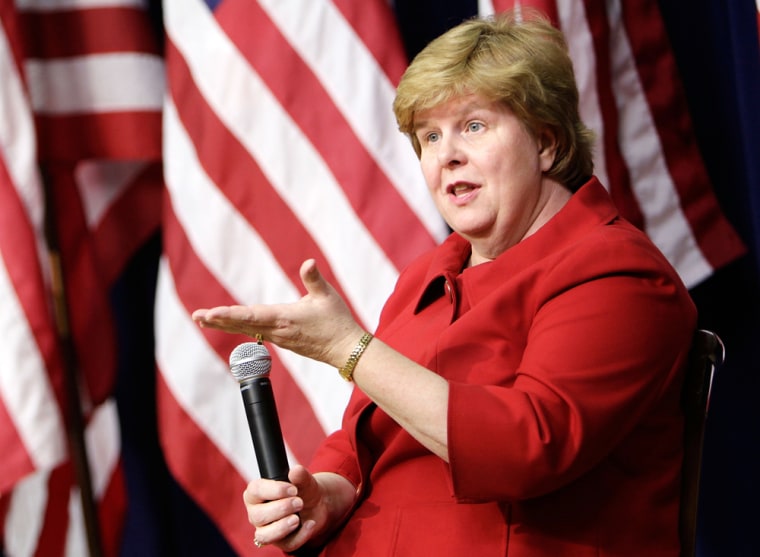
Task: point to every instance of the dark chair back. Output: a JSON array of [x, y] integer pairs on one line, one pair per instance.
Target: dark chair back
[[707, 354]]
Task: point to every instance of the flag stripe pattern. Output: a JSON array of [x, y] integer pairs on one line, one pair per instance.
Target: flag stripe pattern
[[34, 435], [278, 129], [81, 97], [646, 148]]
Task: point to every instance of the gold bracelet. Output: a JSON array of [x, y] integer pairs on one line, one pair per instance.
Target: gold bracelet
[[347, 371]]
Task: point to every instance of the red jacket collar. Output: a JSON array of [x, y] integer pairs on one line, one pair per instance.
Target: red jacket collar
[[589, 207]]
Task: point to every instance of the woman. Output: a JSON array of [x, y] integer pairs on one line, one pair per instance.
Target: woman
[[521, 396]]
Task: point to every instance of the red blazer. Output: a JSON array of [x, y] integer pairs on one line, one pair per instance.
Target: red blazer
[[565, 359]]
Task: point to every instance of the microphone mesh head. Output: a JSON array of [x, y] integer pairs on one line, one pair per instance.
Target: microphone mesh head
[[250, 359]]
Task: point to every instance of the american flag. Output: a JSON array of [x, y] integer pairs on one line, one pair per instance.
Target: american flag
[[646, 152], [278, 145], [81, 95]]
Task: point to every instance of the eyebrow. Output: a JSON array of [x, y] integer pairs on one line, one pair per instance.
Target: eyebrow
[[475, 104]]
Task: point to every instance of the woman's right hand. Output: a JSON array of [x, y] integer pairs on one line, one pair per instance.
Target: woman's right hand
[[289, 515]]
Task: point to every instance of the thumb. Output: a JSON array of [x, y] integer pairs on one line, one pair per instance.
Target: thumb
[[312, 279], [305, 482]]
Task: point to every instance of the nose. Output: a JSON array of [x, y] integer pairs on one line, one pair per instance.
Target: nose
[[449, 151]]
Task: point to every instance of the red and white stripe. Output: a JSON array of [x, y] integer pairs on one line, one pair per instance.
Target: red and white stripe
[[31, 431], [646, 148], [81, 96], [279, 145]]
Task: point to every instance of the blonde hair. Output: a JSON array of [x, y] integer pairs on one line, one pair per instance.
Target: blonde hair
[[522, 62]]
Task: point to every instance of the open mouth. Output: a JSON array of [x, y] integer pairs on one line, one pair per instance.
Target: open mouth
[[460, 189]]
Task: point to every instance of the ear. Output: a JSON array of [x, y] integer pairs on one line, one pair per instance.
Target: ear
[[547, 148]]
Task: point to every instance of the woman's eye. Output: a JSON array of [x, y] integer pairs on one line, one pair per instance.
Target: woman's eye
[[474, 126], [432, 137]]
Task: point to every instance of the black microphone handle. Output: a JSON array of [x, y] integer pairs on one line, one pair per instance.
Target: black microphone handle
[[264, 424]]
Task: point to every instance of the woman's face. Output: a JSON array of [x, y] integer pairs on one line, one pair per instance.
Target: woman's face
[[485, 171]]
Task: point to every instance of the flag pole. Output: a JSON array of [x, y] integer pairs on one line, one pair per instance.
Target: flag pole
[[74, 417]]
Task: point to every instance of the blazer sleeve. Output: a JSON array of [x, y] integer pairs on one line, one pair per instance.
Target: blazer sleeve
[[609, 331]]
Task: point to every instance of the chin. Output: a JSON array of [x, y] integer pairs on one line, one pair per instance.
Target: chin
[[470, 230]]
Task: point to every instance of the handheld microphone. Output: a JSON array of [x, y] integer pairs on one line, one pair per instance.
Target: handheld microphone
[[250, 363]]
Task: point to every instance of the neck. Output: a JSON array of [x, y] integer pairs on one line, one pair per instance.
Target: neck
[[553, 197]]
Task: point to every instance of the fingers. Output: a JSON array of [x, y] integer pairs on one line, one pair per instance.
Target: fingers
[[275, 519], [280, 532], [296, 538], [212, 318], [272, 509], [225, 313], [320, 325], [261, 490], [312, 279], [276, 322], [247, 320]]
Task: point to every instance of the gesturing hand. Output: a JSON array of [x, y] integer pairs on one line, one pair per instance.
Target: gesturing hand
[[318, 326]]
